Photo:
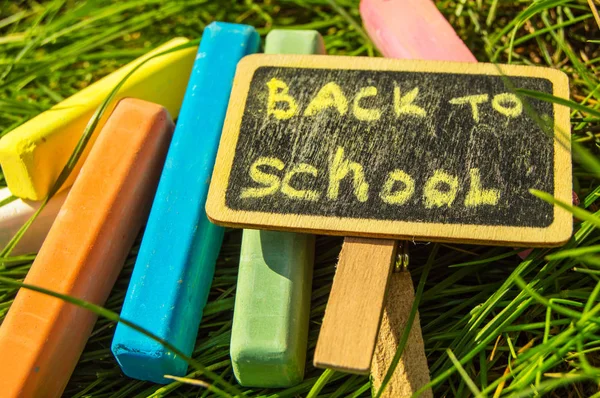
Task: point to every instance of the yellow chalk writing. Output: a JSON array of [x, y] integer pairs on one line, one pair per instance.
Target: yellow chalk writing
[[365, 114], [507, 104], [401, 196], [301, 194], [278, 93], [479, 196], [434, 196], [330, 95], [403, 104], [472, 100], [271, 181], [339, 168]]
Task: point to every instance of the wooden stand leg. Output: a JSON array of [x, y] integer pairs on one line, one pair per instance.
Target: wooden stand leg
[[412, 371], [351, 323]]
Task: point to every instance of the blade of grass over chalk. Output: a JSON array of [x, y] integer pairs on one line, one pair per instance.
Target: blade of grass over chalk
[[93, 123], [100, 311], [7, 200], [19, 234]]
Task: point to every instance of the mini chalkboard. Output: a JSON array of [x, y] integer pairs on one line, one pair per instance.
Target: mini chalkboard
[[387, 148]]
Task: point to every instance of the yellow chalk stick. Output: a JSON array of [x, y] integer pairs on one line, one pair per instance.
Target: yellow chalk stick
[[33, 155]]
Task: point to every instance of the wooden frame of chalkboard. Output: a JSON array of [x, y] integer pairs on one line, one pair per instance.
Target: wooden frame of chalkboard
[[373, 147]]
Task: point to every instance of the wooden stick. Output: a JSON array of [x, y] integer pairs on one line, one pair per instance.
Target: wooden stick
[[351, 323], [412, 371], [42, 337], [401, 30]]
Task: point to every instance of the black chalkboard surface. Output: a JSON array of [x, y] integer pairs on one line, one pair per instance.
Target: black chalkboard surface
[[388, 148]]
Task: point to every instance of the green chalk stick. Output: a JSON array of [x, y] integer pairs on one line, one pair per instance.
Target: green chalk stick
[[294, 42], [272, 304]]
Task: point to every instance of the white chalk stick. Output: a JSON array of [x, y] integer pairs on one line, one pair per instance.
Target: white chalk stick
[[15, 214]]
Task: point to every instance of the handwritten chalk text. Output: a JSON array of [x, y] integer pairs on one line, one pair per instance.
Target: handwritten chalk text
[[440, 189], [282, 105]]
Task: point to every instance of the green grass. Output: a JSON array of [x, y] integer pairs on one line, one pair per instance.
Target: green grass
[[493, 324]]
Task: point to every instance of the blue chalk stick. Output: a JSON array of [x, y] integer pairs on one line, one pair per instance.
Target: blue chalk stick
[[176, 261]]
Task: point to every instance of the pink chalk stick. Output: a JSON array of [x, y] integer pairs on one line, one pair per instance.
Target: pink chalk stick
[[412, 29]]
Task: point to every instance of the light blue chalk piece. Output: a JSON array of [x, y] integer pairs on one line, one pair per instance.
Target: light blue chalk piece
[[173, 273]]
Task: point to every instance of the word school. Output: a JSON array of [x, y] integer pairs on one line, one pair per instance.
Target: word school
[[440, 189]]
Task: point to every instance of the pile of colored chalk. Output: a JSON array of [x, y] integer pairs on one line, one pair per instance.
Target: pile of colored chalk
[[141, 169]]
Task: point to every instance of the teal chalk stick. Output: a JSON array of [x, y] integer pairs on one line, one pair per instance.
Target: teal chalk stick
[[272, 303], [174, 269]]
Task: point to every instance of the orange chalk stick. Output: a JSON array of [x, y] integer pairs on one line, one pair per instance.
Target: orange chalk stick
[[42, 337]]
